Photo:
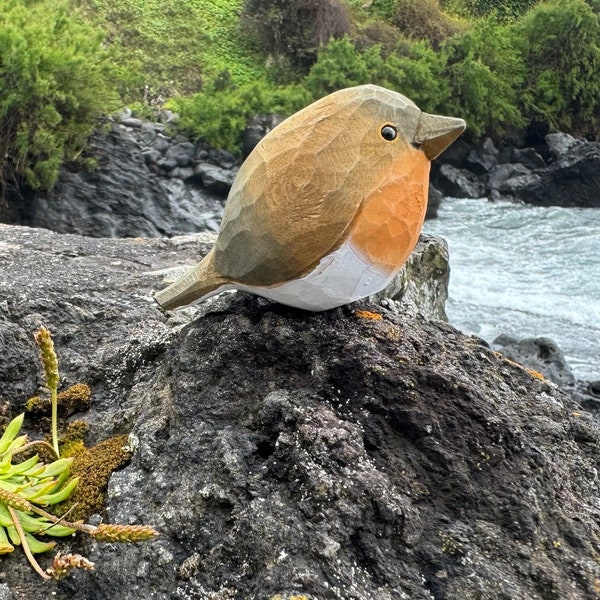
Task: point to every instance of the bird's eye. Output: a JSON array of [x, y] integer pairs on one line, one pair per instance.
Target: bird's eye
[[389, 133]]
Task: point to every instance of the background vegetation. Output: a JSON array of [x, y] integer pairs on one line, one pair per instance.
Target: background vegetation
[[500, 64], [54, 82]]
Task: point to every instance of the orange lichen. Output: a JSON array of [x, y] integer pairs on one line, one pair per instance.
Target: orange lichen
[[367, 314], [535, 374], [532, 372]]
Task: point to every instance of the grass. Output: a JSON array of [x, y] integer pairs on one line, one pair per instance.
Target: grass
[[174, 48]]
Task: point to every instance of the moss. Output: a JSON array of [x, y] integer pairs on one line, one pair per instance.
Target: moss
[[73, 436], [37, 404], [76, 398], [94, 467]]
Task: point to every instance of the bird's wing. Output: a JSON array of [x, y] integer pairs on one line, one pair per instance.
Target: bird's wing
[[293, 201]]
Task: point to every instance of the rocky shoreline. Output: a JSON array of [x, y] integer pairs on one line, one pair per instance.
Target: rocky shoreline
[[150, 181], [558, 170], [371, 451]]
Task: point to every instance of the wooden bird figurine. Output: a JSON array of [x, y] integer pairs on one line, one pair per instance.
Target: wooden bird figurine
[[328, 206]]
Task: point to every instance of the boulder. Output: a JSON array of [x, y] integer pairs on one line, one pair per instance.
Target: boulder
[[147, 134], [458, 183], [132, 122], [182, 153], [421, 287], [559, 171], [528, 157], [349, 454], [161, 143], [560, 144], [214, 178], [506, 181], [222, 158], [572, 179], [456, 154], [482, 158], [151, 156], [540, 354]]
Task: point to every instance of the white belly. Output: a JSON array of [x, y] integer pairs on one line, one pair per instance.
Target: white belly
[[341, 277]]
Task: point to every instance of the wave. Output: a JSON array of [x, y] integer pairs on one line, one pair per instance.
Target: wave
[[525, 271]]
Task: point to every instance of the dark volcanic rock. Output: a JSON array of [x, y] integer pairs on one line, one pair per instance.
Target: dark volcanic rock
[[573, 179], [560, 144], [280, 452], [183, 153], [121, 197], [482, 158], [214, 178], [508, 180], [561, 171], [18, 362], [458, 183], [528, 157], [540, 354]]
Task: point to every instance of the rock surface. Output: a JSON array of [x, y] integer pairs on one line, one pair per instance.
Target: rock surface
[[540, 354], [336, 455], [563, 171], [421, 287], [128, 193]]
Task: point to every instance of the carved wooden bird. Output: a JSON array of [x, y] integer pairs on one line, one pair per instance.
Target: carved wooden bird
[[328, 206]]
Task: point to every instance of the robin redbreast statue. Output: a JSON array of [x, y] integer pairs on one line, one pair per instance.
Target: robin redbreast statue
[[328, 206]]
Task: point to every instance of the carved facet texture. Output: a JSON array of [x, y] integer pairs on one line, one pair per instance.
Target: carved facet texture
[[328, 175]]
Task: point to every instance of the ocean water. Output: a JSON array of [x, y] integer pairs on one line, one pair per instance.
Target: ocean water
[[525, 271]]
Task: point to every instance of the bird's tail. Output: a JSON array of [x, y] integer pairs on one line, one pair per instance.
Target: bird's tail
[[197, 284]]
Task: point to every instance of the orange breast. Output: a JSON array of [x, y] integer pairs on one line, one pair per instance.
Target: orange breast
[[387, 227]]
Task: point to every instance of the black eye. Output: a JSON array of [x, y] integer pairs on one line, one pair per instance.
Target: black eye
[[389, 133]]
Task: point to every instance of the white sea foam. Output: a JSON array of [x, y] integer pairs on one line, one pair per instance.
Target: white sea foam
[[525, 271]]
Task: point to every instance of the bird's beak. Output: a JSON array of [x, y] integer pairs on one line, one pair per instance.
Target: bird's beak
[[434, 133]]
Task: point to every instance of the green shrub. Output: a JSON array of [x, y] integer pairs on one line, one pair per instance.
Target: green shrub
[[54, 83], [420, 73], [505, 10], [485, 73], [167, 48], [340, 65], [560, 45], [219, 116], [498, 73], [415, 70]]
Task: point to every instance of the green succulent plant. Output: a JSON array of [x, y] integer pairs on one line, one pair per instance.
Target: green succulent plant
[[28, 486], [25, 487]]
